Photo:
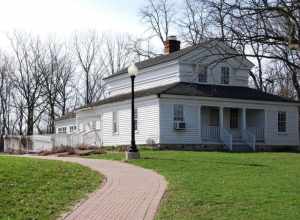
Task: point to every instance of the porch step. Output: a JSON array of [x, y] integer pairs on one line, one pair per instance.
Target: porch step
[[241, 148]]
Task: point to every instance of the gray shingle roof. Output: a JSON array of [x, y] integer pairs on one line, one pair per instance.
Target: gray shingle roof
[[161, 59], [220, 91], [169, 57], [200, 90]]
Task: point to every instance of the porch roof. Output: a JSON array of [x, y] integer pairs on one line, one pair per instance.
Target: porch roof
[[202, 90], [223, 91]]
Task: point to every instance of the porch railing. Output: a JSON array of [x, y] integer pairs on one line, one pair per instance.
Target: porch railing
[[249, 138], [210, 133], [258, 132], [226, 137]]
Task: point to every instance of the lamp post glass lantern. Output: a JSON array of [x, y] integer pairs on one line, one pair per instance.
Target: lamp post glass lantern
[[133, 152]]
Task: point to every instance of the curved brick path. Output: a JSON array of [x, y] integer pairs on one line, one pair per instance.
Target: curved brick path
[[130, 192]]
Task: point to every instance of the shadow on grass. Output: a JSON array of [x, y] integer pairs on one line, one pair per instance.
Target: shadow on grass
[[207, 161]]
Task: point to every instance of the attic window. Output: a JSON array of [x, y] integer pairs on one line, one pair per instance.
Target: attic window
[[225, 74], [202, 73]]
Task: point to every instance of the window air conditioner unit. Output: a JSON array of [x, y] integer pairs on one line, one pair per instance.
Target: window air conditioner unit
[[179, 125]]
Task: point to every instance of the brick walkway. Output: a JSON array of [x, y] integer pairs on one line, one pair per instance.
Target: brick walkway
[[130, 192]]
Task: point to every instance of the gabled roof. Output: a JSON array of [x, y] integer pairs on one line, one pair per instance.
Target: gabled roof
[[162, 58], [168, 57], [199, 90]]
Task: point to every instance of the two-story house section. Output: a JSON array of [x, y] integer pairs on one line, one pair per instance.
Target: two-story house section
[[192, 98]]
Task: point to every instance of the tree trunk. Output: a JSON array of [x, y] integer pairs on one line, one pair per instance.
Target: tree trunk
[[30, 122], [52, 119]]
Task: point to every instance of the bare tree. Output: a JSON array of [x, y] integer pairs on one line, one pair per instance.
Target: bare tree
[[87, 49], [142, 48], [270, 26], [55, 69], [67, 88], [158, 15], [27, 78], [195, 21], [19, 112], [6, 70], [116, 52]]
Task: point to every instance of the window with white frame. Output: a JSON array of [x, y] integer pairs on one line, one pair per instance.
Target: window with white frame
[[178, 113], [73, 128], [135, 119], [62, 130], [225, 75], [281, 121], [115, 123], [202, 73]]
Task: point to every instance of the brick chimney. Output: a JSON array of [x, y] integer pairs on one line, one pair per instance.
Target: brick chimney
[[171, 45]]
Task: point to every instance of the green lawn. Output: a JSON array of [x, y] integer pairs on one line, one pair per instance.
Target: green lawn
[[210, 185], [40, 189]]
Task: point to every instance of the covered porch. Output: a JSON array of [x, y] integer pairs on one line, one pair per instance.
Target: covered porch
[[231, 125]]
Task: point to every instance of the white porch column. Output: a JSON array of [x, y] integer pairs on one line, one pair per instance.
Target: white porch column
[[244, 123], [200, 123], [221, 117], [221, 121]]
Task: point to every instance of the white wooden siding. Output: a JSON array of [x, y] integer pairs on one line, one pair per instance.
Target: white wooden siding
[[255, 118], [147, 78], [148, 122], [191, 112], [272, 136], [191, 135], [238, 73], [181, 70], [65, 123], [86, 118]]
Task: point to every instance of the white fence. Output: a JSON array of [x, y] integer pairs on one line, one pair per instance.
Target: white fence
[[89, 138], [34, 143], [38, 143]]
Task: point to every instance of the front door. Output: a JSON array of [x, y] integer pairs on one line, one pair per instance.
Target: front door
[[234, 123]]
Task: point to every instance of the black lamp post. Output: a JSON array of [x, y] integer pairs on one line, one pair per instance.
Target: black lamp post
[[133, 152]]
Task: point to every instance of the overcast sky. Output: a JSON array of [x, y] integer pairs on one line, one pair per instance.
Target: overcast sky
[[62, 17]]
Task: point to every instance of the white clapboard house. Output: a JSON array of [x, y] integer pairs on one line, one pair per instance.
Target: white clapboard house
[[192, 98]]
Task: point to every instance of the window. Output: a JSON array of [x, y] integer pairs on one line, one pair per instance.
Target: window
[[202, 73], [115, 122], [135, 119], [178, 113], [72, 128], [234, 118], [281, 121], [225, 74], [62, 130]]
